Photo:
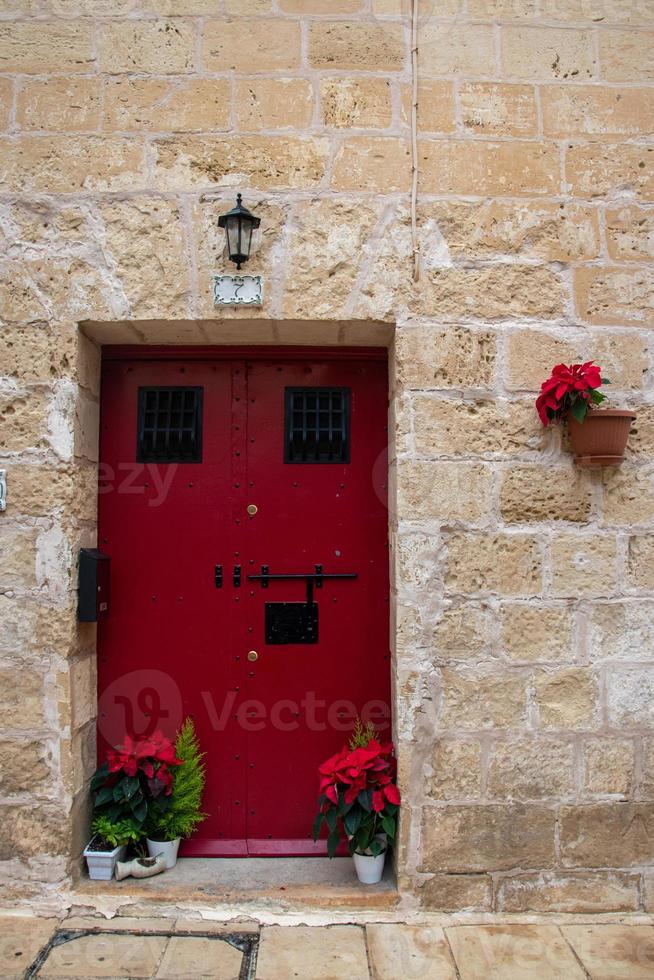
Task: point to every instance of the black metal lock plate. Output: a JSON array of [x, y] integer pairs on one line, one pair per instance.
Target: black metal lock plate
[[291, 622]]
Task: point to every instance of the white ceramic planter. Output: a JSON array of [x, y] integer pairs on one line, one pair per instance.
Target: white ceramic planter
[[369, 868], [137, 869], [168, 848], [101, 864]]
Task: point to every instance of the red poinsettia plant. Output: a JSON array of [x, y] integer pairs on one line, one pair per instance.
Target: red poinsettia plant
[[358, 795], [135, 773], [571, 388]]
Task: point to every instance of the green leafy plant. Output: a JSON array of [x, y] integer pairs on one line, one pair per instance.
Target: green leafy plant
[[184, 812], [362, 735], [117, 833]]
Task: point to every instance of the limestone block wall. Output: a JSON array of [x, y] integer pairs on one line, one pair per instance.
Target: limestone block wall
[[523, 625]]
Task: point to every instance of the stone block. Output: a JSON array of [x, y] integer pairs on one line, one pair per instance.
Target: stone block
[[494, 563], [59, 104], [567, 699], [500, 291], [23, 418], [511, 950], [630, 233], [463, 632], [164, 47], [487, 838], [318, 6], [547, 53], [622, 630], [324, 249], [531, 229], [601, 835], [626, 56], [476, 167], [31, 831], [18, 566], [6, 100], [645, 784], [356, 102], [494, 109], [620, 11], [533, 634], [436, 106], [474, 428], [583, 566], [273, 45], [145, 238], [531, 354], [445, 491], [456, 49], [396, 950], [372, 163], [100, 953], [630, 697], [66, 164], [624, 296], [608, 766], [266, 162], [23, 767], [531, 493], [273, 103], [530, 769], [358, 45], [482, 698], [166, 106], [640, 562], [455, 770], [19, 618], [37, 47], [503, 9], [21, 697], [609, 891], [592, 111], [312, 953], [450, 357], [23, 937], [599, 169], [641, 435], [455, 893], [629, 497]]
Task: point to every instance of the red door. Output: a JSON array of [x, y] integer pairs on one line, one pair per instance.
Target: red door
[[243, 505]]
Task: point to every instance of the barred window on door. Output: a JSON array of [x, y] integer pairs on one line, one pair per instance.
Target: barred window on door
[[169, 425], [317, 425]]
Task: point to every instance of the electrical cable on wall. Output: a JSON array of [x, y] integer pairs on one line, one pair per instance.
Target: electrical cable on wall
[[414, 139]]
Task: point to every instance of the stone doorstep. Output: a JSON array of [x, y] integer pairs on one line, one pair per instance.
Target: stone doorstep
[[289, 884]]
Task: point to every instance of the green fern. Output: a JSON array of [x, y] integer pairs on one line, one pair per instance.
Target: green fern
[[184, 814]]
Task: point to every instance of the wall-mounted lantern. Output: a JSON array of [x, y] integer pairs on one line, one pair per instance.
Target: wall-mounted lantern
[[239, 223]]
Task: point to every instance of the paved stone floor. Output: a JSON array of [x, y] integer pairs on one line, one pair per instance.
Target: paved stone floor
[[182, 949]]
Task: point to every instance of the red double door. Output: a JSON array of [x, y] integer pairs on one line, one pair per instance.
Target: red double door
[[218, 478]]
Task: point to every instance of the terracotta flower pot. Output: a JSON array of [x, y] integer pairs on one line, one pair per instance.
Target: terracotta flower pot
[[601, 439]]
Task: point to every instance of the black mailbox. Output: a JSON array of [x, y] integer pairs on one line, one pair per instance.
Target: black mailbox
[[93, 585]]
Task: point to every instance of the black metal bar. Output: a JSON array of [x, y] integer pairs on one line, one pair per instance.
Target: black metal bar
[[318, 570], [237, 576], [266, 577], [218, 576]]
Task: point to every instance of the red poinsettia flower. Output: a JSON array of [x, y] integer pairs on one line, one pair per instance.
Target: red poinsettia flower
[[570, 388]]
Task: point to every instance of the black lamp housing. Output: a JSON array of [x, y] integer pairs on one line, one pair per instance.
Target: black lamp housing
[[239, 223]]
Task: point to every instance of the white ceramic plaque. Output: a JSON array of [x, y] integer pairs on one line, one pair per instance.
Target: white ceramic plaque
[[237, 290]]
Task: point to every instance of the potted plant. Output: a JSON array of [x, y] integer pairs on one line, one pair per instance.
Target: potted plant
[[358, 796], [167, 825], [109, 844], [134, 776], [598, 436]]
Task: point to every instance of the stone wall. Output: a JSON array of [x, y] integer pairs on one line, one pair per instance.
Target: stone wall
[[523, 626]]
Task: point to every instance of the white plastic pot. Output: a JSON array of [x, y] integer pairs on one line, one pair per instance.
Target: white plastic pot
[[369, 868], [168, 848], [101, 864]]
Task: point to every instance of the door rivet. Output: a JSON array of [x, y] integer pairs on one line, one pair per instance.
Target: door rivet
[[252, 656], [252, 509]]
